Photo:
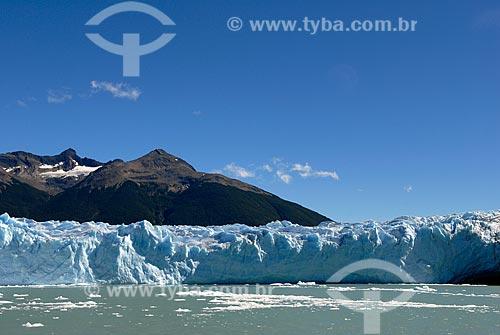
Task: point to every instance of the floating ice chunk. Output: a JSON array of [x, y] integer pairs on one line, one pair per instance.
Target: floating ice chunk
[[182, 310], [61, 298], [310, 283], [425, 288], [161, 295], [33, 325]]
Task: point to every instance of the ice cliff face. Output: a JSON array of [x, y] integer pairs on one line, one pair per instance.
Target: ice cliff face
[[437, 249]]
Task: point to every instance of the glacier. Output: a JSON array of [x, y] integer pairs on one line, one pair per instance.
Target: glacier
[[436, 249]]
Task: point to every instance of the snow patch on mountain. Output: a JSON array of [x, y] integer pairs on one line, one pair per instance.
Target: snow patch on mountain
[[15, 168], [49, 167], [437, 249], [77, 171]]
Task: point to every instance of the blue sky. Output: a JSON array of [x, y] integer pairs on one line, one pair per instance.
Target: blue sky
[[408, 122]]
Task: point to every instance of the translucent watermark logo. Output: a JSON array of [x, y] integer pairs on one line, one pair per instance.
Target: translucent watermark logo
[[372, 305], [322, 25], [131, 50], [234, 23], [92, 291], [170, 292]]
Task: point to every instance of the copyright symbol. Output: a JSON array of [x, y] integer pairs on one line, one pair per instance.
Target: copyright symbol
[[91, 291], [235, 24]]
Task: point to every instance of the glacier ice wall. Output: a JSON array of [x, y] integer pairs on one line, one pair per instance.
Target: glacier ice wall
[[436, 249]]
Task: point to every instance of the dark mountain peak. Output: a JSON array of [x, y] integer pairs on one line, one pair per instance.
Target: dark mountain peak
[[70, 159], [159, 159], [158, 152], [19, 155], [69, 153], [158, 169]]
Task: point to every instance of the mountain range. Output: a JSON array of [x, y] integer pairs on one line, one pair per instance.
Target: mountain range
[[157, 187]]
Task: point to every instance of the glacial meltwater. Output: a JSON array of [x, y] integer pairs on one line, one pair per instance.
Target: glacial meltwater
[[304, 308]]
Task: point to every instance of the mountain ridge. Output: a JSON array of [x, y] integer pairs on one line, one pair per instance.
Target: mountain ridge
[[158, 187], [44, 172]]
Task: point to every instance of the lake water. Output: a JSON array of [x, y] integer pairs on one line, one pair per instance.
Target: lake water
[[273, 309]]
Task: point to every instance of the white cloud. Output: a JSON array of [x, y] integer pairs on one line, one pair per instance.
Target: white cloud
[[58, 96], [197, 113], [267, 167], [488, 19], [408, 188], [118, 90], [306, 171], [326, 174], [238, 171], [286, 178], [21, 103], [276, 160], [24, 103], [281, 169]]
